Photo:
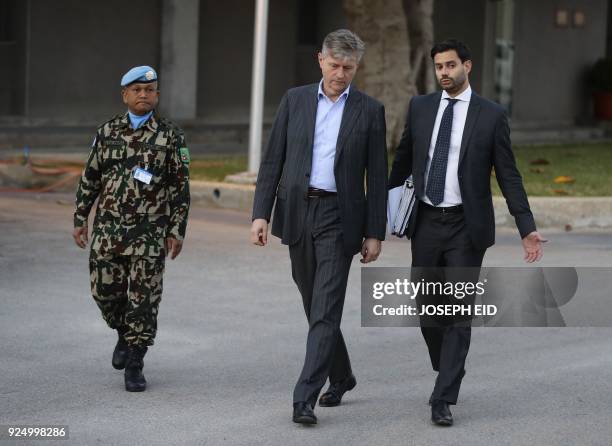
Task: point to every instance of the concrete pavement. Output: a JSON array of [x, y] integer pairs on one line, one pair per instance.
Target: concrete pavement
[[231, 343]]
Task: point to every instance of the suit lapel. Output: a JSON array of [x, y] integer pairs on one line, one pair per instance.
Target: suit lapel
[[430, 113], [311, 112], [470, 121], [351, 112]]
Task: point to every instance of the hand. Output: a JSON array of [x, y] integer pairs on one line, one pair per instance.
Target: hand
[[532, 245], [173, 247], [370, 250], [80, 236], [259, 232]]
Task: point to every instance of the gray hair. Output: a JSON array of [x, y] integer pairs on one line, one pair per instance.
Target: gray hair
[[343, 44]]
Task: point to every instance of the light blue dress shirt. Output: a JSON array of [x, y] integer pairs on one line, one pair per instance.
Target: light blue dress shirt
[[137, 121], [327, 126]]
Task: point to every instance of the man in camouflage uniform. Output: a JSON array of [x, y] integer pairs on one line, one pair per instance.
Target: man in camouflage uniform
[[138, 170]]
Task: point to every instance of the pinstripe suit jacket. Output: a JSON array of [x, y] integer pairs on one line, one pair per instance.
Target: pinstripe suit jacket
[[360, 164]]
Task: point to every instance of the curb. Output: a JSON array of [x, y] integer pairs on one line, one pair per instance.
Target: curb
[[222, 195], [567, 213], [564, 213]]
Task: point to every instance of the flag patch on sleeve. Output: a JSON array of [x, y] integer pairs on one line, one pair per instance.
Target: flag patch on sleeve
[[184, 154]]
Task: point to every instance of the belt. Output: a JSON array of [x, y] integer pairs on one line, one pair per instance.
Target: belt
[[443, 210], [313, 192]]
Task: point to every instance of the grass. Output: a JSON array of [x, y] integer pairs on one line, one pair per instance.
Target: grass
[[216, 167], [587, 166]]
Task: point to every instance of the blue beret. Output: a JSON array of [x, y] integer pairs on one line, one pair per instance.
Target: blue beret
[[144, 74]]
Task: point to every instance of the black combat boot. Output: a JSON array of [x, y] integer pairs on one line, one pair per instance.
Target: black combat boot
[[121, 352], [134, 379]]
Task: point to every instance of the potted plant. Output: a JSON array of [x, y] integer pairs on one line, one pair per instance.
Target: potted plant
[[600, 82]]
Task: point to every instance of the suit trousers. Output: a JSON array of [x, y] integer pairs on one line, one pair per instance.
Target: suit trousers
[[442, 240], [320, 268]]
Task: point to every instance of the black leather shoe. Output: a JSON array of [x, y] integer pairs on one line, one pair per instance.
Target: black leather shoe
[[303, 413], [441, 414], [333, 396], [134, 379], [120, 353]]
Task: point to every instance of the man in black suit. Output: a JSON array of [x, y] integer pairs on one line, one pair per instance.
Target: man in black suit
[[451, 141], [326, 139]]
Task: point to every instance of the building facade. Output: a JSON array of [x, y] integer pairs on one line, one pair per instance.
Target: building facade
[[61, 60]]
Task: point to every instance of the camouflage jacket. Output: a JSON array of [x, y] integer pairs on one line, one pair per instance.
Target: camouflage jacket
[[132, 217]]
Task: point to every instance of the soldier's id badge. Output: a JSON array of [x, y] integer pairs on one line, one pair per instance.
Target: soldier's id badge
[[142, 175]]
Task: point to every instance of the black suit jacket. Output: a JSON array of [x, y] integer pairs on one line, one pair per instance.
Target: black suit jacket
[[485, 145], [361, 154]]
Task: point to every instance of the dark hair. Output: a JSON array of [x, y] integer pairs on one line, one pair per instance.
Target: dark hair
[[461, 48]]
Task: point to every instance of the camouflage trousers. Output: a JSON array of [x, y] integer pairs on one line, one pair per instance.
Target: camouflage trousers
[[128, 289]]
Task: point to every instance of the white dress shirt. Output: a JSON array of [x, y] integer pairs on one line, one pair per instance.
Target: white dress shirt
[[327, 127], [452, 193]]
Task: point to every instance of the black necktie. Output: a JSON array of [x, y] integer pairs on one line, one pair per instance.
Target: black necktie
[[437, 170]]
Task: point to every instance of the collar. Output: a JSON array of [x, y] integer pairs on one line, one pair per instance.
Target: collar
[[465, 96], [125, 120], [151, 123], [320, 92]]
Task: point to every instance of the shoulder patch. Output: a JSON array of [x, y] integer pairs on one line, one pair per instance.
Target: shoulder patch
[[184, 154]]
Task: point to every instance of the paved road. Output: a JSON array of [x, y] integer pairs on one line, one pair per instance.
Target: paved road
[[232, 339]]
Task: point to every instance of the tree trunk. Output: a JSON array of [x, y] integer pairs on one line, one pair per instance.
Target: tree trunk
[[393, 65], [419, 18], [384, 71]]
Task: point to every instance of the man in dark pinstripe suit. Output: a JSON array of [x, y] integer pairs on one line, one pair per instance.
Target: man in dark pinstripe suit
[[327, 139]]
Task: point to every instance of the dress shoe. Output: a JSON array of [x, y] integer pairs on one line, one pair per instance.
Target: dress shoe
[[440, 413], [303, 413], [120, 353], [333, 396], [134, 379]]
